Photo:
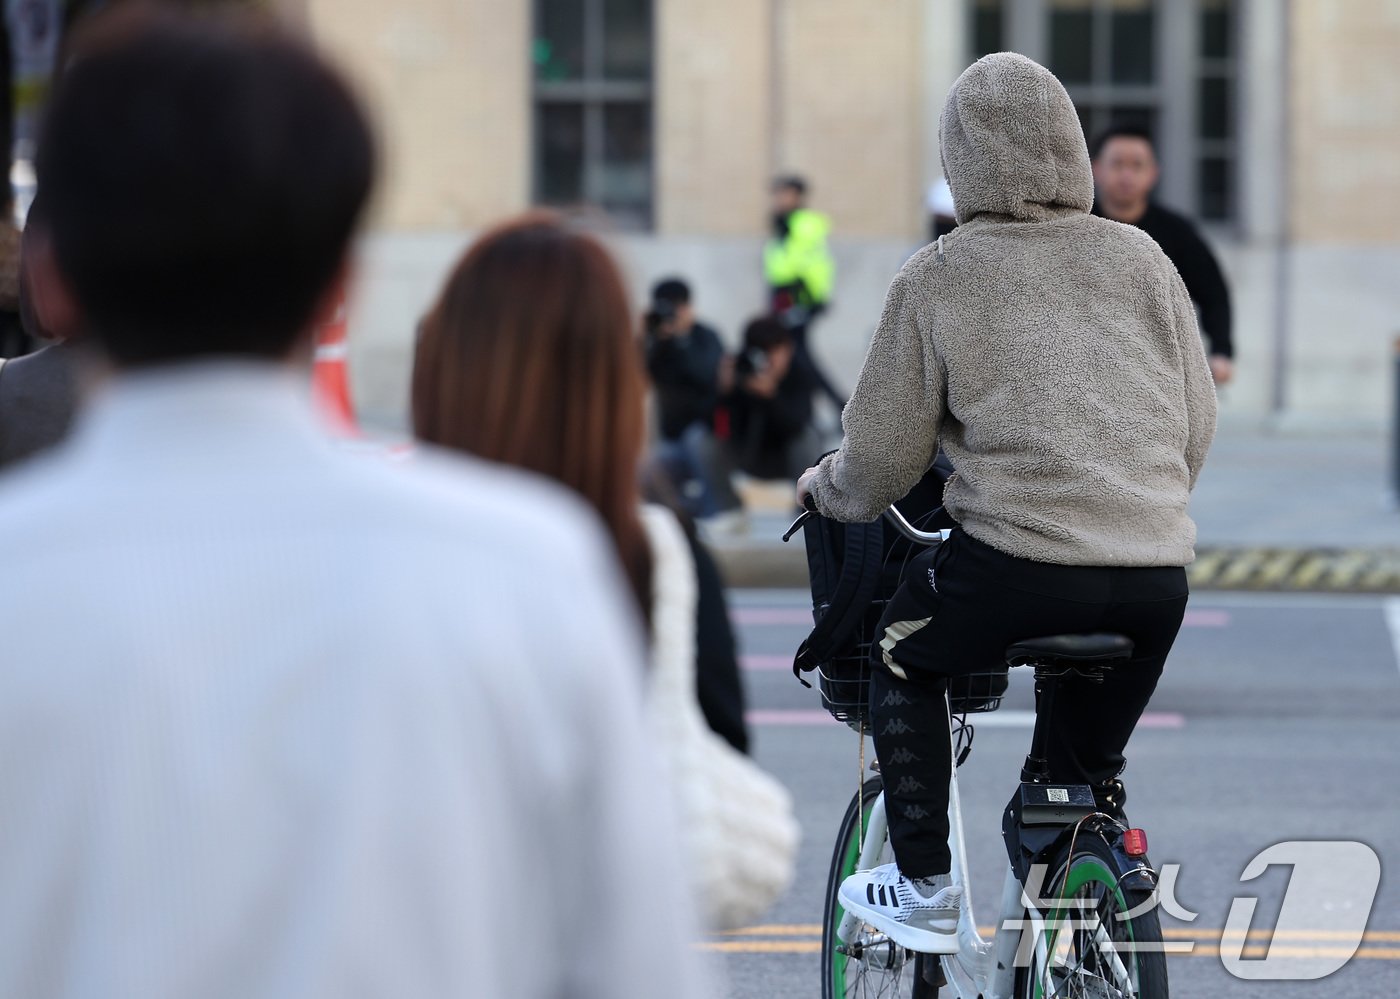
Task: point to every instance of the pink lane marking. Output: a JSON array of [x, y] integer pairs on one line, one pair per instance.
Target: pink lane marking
[[1162, 719], [765, 662], [1003, 719], [761, 616], [760, 717]]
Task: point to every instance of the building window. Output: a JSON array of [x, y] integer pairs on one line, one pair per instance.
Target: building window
[[987, 23], [1167, 65], [1104, 53], [1215, 118], [593, 107]]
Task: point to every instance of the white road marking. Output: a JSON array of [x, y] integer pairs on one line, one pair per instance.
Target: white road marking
[[1392, 621]]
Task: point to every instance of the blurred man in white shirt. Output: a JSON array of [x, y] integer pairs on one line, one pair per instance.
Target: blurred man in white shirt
[[276, 720]]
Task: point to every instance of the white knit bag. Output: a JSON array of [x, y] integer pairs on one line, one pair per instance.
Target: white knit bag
[[737, 821]]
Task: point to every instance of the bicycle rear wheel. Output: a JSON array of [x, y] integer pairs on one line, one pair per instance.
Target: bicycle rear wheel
[[869, 965], [1093, 948]]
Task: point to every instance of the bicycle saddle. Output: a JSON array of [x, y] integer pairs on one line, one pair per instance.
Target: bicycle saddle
[[1069, 648]]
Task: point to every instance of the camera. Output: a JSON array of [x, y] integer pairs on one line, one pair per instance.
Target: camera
[[754, 361], [661, 314]]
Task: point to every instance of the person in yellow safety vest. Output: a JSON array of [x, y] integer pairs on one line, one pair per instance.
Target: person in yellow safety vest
[[800, 272]]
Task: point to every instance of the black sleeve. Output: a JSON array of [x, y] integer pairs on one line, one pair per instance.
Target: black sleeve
[[671, 364], [665, 361], [1206, 285], [717, 680]]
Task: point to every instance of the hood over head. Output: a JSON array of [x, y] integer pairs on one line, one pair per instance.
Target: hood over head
[[1012, 143]]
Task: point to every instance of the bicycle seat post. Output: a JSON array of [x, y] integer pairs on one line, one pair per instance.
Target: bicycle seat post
[[1054, 658], [1037, 766]]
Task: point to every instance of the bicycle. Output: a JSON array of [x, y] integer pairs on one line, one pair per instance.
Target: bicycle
[[1078, 910]]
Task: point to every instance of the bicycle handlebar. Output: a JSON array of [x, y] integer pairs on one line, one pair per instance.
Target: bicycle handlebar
[[912, 533], [892, 514]]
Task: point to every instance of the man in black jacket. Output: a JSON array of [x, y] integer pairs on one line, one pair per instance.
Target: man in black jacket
[[1125, 172], [689, 372]]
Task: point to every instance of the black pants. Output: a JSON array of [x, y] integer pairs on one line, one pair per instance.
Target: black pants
[[805, 361], [959, 607]]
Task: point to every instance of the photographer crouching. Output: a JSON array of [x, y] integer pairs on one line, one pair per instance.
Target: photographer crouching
[[689, 373], [766, 419]]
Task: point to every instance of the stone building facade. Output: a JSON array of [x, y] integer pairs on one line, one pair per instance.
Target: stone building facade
[[661, 121]]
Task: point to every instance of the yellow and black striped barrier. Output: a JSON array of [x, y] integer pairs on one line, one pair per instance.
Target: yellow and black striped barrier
[[1334, 570], [1217, 567]]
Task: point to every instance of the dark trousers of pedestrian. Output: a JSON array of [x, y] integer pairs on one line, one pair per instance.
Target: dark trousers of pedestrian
[[803, 358], [959, 607], [705, 489]]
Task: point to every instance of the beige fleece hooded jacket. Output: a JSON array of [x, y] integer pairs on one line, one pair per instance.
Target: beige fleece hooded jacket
[[1052, 353]]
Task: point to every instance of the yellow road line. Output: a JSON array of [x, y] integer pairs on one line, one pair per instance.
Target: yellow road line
[[1170, 932], [1375, 936], [1364, 953], [1199, 950], [763, 946], [1203, 942]]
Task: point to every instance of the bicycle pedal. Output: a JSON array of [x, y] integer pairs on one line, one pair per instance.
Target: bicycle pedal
[[1055, 804]]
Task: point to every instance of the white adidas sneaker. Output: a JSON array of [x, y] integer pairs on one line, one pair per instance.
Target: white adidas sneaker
[[886, 900]]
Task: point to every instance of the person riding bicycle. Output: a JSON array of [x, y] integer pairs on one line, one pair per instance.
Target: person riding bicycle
[[1055, 357]]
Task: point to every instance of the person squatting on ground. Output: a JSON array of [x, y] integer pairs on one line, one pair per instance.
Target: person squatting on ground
[[1055, 356], [689, 372], [277, 719], [767, 415]]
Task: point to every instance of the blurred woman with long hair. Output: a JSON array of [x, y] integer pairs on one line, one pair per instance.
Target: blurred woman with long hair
[[529, 358]]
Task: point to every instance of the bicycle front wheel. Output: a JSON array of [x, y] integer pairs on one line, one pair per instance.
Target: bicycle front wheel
[[1099, 940], [869, 965]]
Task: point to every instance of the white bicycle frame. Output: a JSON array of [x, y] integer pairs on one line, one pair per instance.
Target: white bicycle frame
[[981, 967]]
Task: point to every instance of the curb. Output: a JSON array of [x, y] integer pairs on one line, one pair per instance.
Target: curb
[[1257, 569]]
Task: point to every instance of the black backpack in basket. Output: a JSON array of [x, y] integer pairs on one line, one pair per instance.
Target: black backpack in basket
[[854, 570]]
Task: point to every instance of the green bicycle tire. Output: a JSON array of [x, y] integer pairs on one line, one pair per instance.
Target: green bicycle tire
[[843, 864], [1092, 865]]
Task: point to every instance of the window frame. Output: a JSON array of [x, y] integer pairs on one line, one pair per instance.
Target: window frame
[[1174, 94], [592, 92]]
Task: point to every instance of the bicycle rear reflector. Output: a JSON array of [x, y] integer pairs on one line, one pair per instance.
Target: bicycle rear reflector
[[1135, 842]]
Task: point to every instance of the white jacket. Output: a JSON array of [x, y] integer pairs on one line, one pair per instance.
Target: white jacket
[[279, 720], [740, 834]]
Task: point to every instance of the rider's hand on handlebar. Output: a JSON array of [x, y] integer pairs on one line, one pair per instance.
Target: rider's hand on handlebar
[[804, 490]]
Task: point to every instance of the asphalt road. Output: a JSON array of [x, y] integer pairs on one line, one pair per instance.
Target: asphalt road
[[1278, 719]]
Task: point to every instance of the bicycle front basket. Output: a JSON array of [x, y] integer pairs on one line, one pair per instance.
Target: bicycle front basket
[[845, 688]]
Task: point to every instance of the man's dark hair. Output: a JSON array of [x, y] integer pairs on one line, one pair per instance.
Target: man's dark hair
[[791, 182], [671, 291], [765, 333], [1123, 130], [203, 177]]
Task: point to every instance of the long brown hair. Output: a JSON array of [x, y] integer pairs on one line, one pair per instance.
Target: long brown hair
[[529, 358]]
